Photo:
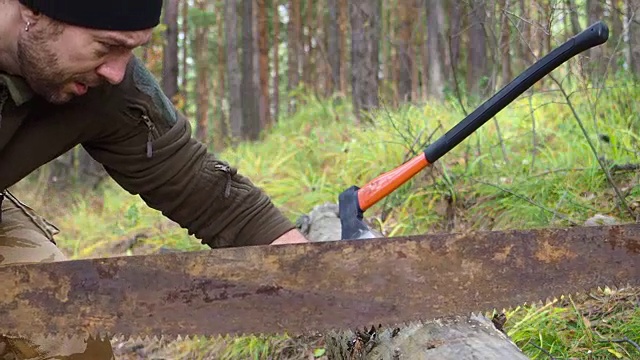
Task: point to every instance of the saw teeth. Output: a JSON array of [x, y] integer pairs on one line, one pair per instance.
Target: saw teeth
[[552, 300]]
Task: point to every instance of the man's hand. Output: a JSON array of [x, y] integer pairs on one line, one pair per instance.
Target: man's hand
[[291, 237]]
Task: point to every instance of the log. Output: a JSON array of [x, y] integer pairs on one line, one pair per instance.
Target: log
[[460, 338]]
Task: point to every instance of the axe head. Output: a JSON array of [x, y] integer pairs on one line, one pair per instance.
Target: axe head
[[351, 216]]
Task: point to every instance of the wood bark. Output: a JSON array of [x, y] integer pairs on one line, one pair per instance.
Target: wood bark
[[455, 39], [633, 11], [263, 46], [250, 83], [405, 61], [202, 82], [343, 19], [477, 61], [276, 61], [233, 70], [333, 45], [435, 43], [617, 28], [505, 48], [295, 55], [455, 338], [365, 37], [222, 126], [170, 68], [597, 60], [185, 47], [307, 46]]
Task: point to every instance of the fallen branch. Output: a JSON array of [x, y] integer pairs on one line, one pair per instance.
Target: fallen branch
[[623, 340], [530, 201]]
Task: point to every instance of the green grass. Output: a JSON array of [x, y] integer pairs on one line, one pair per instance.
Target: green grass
[[309, 158]]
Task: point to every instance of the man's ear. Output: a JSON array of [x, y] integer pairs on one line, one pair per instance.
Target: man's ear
[[28, 15]]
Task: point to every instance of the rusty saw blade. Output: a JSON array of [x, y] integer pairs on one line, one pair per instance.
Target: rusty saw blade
[[314, 287]]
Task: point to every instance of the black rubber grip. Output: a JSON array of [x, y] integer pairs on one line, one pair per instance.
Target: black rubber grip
[[594, 35]]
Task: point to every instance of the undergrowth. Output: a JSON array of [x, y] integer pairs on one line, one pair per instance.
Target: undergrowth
[[532, 167]]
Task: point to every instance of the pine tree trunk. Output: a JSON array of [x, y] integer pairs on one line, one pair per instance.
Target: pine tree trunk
[[505, 49], [294, 57], [405, 65], [233, 70], [435, 24], [202, 83], [633, 11], [365, 37], [185, 55], [478, 66], [343, 19], [333, 42], [263, 45], [170, 68], [250, 83], [222, 139], [276, 62]]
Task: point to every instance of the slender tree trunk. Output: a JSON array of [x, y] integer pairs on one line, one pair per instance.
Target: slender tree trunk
[[455, 38], [365, 37], [617, 29], [526, 56], [573, 15], [505, 36], [343, 19], [263, 45], [250, 77], [597, 61], [405, 35], [222, 140], [435, 25], [185, 49], [633, 10], [333, 42], [170, 69], [478, 67], [276, 61], [307, 46], [202, 83], [295, 40], [233, 69]]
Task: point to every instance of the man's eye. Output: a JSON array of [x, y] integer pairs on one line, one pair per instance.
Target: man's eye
[[103, 50]]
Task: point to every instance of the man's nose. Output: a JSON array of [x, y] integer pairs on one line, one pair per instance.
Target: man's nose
[[114, 68]]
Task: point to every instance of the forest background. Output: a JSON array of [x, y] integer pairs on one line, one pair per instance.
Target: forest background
[[310, 97]]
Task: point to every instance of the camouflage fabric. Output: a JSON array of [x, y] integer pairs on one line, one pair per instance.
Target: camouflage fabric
[[26, 237]]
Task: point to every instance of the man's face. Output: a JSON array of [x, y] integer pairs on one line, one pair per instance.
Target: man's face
[[60, 61]]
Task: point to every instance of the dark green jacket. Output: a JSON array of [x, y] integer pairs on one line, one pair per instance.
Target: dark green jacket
[[146, 147]]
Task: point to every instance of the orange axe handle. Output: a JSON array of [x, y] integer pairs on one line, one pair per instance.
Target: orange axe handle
[[386, 183]]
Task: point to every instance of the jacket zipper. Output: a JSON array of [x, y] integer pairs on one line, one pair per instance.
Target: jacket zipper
[[150, 134], [226, 169]]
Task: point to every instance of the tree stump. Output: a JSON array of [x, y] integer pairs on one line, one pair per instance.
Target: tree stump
[[459, 338]]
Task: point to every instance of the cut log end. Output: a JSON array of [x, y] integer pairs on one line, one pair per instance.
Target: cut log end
[[459, 338]]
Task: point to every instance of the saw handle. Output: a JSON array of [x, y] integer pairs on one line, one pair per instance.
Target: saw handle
[[386, 183]]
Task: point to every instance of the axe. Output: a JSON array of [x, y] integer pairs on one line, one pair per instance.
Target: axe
[[354, 201]]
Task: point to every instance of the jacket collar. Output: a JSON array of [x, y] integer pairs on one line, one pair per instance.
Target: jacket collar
[[18, 89]]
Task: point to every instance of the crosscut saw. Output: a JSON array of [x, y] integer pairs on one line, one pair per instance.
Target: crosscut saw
[[315, 287]]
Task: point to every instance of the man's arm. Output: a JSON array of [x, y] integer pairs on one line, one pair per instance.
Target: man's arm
[[148, 148], [291, 237]]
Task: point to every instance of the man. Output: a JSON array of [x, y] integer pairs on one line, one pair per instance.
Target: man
[[68, 77]]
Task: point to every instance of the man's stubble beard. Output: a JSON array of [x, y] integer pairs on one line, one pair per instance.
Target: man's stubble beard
[[39, 66]]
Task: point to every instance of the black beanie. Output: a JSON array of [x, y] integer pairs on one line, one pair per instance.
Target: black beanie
[[118, 15]]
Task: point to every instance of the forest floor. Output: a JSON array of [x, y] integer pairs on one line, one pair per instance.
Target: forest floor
[[538, 164]]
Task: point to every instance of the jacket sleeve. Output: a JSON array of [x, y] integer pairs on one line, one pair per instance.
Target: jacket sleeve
[[146, 146]]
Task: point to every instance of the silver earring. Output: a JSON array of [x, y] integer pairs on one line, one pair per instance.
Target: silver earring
[[26, 28]]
